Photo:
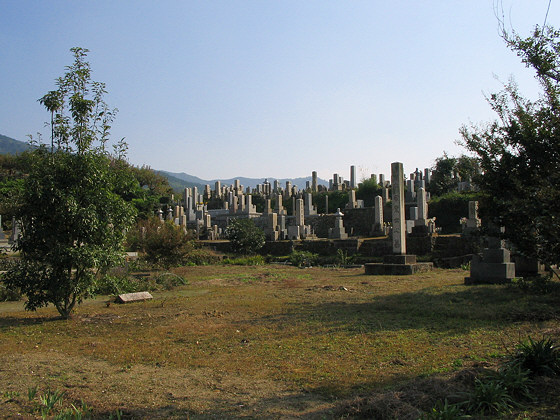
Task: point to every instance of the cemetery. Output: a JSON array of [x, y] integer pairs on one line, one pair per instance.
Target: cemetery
[[236, 337], [431, 293]]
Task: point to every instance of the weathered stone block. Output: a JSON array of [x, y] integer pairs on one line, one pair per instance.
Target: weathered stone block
[[134, 297]]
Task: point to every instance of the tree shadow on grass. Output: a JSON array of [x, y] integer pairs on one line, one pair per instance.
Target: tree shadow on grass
[[18, 321], [453, 311]]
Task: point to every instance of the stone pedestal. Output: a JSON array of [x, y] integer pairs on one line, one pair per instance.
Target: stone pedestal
[[400, 265], [493, 266]]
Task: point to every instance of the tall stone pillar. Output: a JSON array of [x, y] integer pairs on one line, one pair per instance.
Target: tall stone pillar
[[378, 214], [314, 181], [397, 200], [422, 204], [299, 212], [353, 182]]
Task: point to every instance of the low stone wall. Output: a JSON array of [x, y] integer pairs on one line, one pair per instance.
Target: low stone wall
[[446, 251]]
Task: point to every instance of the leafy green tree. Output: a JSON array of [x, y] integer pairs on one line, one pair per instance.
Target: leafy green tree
[[367, 190], [520, 152], [244, 236], [448, 171], [71, 210]]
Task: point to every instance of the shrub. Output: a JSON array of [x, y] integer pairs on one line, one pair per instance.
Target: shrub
[[170, 280], [165, 244], [448, 209], [303, 258], [9, 294], [116, 284], [244, 236], [541, 285]]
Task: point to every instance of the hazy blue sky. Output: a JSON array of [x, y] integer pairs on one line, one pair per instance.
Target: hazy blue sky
[[271, 88]]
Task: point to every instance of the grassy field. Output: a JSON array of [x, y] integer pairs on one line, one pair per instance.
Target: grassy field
[[270, 342]]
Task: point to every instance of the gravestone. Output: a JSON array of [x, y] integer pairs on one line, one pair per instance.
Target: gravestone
[[473, 222], [493, 266], [399, 263], [338, 232], [397, 208], [378, 225], [133, 297]]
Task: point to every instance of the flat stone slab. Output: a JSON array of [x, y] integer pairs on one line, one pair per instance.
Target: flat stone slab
[[133, 297], [378, 269]]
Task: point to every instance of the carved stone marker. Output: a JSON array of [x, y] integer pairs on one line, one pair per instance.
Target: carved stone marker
[[397, 200], [133, 297]]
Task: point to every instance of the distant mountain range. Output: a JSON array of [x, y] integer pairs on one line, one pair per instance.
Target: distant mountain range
[[187, 180], [178, 181], [9, 146]]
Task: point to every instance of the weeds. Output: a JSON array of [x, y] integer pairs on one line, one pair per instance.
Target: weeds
[[510, 386], [31, 393], [117, 416], [248, 260], [517, 381], [540, 357], [443, 410], [49, 399], [539, 285], [489, 397], [169, 280], [342, 258]]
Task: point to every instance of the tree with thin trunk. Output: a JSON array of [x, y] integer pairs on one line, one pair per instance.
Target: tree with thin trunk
[[72, 216]]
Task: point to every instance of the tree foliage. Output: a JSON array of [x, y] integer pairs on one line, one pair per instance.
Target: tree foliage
[[70, 208], [367, 190], [448, 171], [244, 236], [520, 152]]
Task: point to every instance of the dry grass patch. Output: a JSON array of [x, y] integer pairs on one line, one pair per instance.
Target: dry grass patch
[[264, 341]]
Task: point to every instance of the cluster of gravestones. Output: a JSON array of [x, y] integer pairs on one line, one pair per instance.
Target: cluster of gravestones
[[494, 265], [192, 212]]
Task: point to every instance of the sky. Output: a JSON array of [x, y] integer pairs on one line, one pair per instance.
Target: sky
[[277, 89]]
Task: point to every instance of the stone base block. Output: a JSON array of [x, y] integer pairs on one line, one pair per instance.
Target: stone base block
[[492, 270], [376, 269], [399, 259], [500, 255]]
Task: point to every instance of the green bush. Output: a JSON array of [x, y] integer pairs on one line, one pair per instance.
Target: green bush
[[8, 294], [244, 236], [303, 258], [116, 284], [164, 244], [448, 209]]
